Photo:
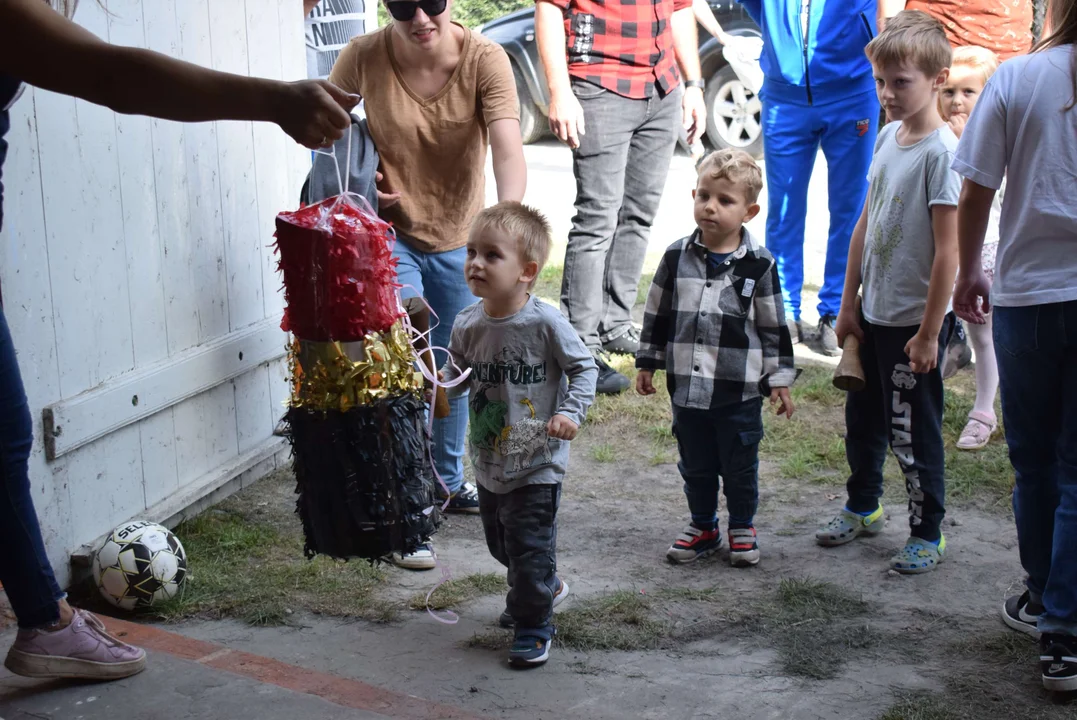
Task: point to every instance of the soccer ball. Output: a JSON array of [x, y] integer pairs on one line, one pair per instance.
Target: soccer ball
[[139, 565]]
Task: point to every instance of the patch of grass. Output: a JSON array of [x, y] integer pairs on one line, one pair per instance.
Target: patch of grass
[[247, 568], [623, 620], [984, 473], [921, 706], [603, 453], [644, 287], [548, 285], [490, 640], [815, 627], [456, 592]]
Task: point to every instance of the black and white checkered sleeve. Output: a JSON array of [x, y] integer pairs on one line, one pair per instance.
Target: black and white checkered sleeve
[[777, 345]]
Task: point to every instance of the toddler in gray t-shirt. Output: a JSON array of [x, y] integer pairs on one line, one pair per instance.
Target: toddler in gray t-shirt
[[531, 383]]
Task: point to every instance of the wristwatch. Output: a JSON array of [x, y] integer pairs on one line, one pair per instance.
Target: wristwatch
[[694, 84]]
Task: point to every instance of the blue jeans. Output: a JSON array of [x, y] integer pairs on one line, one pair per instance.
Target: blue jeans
[[792, 136], [24, 567], [439, 277], [720, 443], [521, 532], [1036, 348]]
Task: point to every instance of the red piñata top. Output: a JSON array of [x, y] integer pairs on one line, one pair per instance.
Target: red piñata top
[[339, 272]]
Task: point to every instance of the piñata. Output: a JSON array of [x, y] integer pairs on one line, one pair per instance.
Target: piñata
[[356, 413]]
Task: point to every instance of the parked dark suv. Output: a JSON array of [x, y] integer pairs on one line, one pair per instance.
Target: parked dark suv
[[733, 111]]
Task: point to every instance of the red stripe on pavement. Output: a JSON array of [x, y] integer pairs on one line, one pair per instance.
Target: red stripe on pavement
[[341, 691]]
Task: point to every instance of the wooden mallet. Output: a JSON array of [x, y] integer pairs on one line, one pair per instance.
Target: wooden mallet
[[849, 375]]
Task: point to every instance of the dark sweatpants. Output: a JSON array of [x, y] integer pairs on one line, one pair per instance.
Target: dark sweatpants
[[521, 532], [901, 409]]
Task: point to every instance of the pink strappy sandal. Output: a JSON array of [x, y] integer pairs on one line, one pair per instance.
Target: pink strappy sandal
[[977, 432]]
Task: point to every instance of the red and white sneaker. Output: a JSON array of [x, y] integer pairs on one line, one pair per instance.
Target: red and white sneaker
[[693, 544], [743, 548]]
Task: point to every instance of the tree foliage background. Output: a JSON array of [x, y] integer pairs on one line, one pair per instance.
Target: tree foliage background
[[472, 12]]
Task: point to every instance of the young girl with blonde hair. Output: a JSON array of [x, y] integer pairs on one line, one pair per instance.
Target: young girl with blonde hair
[[969, 72]]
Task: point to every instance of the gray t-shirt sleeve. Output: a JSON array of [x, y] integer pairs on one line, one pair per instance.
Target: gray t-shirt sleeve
[[981, 152], [578, 366], [943, 184]]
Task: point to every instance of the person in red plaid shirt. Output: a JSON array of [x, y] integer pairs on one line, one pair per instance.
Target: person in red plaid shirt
[[623, 77]]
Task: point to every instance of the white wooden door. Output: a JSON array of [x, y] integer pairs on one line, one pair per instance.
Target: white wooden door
[[138, 279]]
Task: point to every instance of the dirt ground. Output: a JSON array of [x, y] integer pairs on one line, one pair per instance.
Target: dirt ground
[[809, 633]]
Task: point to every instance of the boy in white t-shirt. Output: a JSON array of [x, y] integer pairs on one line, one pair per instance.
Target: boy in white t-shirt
[[903, 253], [1024, 129]]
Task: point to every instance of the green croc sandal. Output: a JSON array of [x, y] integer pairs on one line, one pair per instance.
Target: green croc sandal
[[848, 526], [919, 556]]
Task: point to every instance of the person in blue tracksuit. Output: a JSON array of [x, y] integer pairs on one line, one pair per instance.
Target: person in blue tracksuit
[[818, 91]]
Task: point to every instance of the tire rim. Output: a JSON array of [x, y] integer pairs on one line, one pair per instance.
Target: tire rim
[[737, 113]]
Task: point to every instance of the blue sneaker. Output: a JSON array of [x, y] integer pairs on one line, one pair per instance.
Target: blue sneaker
[[529, 650]]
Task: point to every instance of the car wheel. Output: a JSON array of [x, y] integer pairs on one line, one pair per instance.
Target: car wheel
[[532, 121], [734, 114]]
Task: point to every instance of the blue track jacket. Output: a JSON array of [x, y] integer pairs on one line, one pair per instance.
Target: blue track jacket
[[831, 66]]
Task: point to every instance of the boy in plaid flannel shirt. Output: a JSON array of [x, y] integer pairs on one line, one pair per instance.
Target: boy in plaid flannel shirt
[[716, 324]]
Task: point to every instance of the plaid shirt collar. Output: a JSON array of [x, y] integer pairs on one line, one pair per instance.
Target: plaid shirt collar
[[748, 245]]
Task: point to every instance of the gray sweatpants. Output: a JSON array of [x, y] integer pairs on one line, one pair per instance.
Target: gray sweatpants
[[521, 532], [620, 167]]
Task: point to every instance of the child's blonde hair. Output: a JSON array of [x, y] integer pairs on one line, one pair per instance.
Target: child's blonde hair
[[912, 38], [737, 167], [525, 225], [977, 58]]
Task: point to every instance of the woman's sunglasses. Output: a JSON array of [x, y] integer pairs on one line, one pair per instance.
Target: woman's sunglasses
[[404, 10]]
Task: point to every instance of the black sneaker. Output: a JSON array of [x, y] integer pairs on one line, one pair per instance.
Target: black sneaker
[[529, 650], [1058, 661], [464, 500], [627, 343], [1021, 614], [827, 340], [610, 382]]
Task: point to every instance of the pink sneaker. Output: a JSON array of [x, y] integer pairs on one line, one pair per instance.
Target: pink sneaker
[[83, 649]]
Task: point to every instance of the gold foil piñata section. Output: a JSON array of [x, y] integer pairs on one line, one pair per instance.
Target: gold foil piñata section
[[341, 375]]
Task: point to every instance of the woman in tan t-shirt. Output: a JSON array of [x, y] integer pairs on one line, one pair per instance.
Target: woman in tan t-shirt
[[436, 95]]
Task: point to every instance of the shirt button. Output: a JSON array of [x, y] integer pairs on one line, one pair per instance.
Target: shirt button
[[702, 314], [709, 283], [699, 340], [697, 368]]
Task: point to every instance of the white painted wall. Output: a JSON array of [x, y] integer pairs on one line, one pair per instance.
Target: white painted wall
[[134, 263]]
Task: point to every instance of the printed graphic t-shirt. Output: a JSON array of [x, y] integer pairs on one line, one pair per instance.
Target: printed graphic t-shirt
[[899, 247], [329, 27], [525, 368]]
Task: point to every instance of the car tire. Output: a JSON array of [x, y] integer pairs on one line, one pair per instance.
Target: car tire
[[532, 122], [734, 114]]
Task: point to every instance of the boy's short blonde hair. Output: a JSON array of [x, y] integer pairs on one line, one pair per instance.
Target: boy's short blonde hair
[[525, 225], [737, 167], [976, 57], [912, 38]]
